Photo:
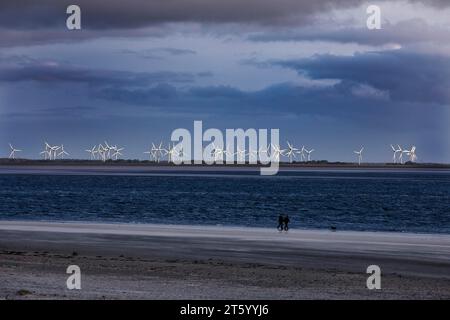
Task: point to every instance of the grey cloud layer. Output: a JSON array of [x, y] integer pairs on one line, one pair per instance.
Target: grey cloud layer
[[406, 76], [26, 69], [100, 14], [405, 32], [398, 75], [158, 53], [31, 22]]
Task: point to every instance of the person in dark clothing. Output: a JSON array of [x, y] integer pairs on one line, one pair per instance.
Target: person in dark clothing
[[286, 221], [280, 226]]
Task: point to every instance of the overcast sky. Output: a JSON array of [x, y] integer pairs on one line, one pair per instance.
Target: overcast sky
[[139, 69]]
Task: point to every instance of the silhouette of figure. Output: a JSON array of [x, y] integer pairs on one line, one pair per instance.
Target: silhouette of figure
[[286, 223], [280, 226]]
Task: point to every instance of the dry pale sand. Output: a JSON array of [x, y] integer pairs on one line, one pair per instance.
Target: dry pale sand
[[121, 261]]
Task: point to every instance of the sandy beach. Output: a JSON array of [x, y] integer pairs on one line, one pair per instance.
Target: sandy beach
[[122, 261]]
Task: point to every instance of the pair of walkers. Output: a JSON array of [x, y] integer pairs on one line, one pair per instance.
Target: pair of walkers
[[283, 222]]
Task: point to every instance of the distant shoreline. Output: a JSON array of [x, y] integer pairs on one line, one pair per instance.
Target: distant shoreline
[[164, 166]]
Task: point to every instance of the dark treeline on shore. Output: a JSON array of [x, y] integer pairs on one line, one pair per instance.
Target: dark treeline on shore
[[136, 162]]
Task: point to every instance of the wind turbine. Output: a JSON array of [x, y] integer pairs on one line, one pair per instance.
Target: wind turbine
[[400, 157], [108, 150], [101, 150], [411, 153], [178, 154], [181, 153], [117, 152], [92, 152], [54, 149], [49, 151], [394, 158], [63, 152], [45, 153], [171, 151], [217, 152], [291, 150], [240, 154], [155, 152], [161, 150], [151, 152], [309, 154], [158, 151], [12, 155], [262, 151], [252, 154], [276, 153], [359, 153], [302, 153], [227, 152]]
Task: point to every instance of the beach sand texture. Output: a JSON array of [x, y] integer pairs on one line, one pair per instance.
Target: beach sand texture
[[122, 261]]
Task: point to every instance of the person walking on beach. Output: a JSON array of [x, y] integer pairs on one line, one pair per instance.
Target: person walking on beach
[[286, 223], [280, 226]]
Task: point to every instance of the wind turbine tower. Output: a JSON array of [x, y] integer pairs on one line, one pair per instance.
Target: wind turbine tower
[[359, 153], [12, 155]]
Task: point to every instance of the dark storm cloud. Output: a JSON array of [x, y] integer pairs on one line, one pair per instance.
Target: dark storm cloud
[[31, 22], [216, 92], [175, 51], [23, 37], [158, 53], [406, 76], [100, 14], [21, 68], [139, 96], [338, 106], [371, 78], [276, 100], [117, 14], [61, 112], [405, 32]]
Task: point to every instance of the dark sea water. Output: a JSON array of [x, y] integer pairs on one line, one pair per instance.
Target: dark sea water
[[376, 201]]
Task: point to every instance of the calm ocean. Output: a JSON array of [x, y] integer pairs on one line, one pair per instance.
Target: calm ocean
[[376, 201]]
